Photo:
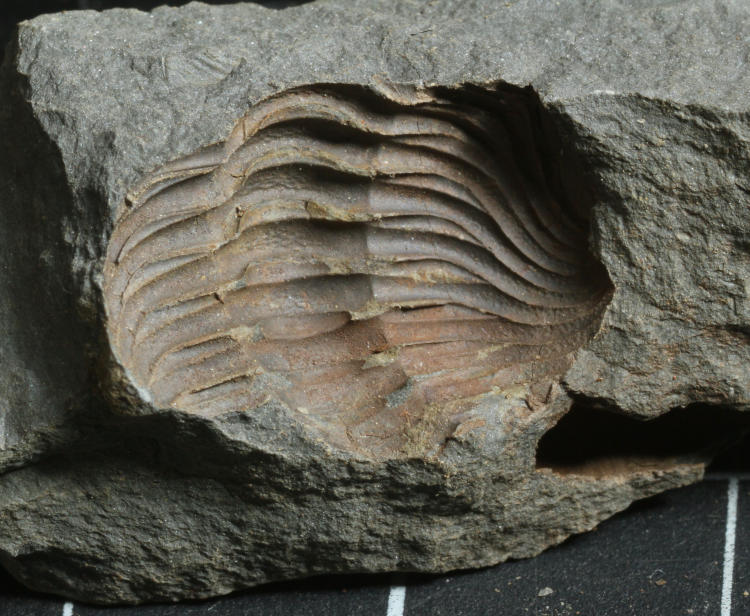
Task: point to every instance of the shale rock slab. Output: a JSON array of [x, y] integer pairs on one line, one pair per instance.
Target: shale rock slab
[[294, 292]]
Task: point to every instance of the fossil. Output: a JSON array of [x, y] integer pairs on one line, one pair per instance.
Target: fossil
[[370, 262], [323, 290]]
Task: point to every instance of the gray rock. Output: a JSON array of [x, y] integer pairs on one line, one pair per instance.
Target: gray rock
[[636, 114]]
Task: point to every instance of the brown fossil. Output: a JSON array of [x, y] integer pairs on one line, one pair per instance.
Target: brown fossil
[[373, 264]]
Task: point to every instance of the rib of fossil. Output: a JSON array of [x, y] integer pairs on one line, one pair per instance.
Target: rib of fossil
[[358, 258]]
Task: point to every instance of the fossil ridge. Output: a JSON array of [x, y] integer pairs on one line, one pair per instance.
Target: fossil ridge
[[356, 258], [357, 286]]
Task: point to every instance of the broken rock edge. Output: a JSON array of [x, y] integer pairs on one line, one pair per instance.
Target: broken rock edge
[[180, 418]]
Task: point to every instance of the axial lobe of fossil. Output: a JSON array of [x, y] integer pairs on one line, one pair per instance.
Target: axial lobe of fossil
[[358, 258]]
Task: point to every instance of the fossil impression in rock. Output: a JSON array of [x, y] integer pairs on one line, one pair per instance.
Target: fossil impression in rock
[[350, 288], [371, 262]]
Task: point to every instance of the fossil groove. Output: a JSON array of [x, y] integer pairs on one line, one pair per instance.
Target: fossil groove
[[365, 261]]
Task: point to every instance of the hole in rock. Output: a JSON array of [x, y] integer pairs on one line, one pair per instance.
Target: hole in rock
[[375, 263], [598, 442]]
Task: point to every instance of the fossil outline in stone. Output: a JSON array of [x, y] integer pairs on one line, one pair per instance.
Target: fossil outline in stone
[[367, 261]]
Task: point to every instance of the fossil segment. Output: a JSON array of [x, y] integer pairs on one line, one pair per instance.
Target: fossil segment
[[363, 260]]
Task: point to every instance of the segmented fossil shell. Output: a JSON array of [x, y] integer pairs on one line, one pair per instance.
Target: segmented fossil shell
[[360, 259]]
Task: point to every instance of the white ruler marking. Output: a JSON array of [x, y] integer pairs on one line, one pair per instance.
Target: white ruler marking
[[729, 538], [396, 600]]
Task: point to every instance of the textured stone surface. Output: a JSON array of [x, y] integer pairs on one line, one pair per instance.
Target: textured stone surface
[[638, 120]]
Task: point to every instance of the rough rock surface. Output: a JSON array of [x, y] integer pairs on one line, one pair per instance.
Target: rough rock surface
[[640, 112]]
